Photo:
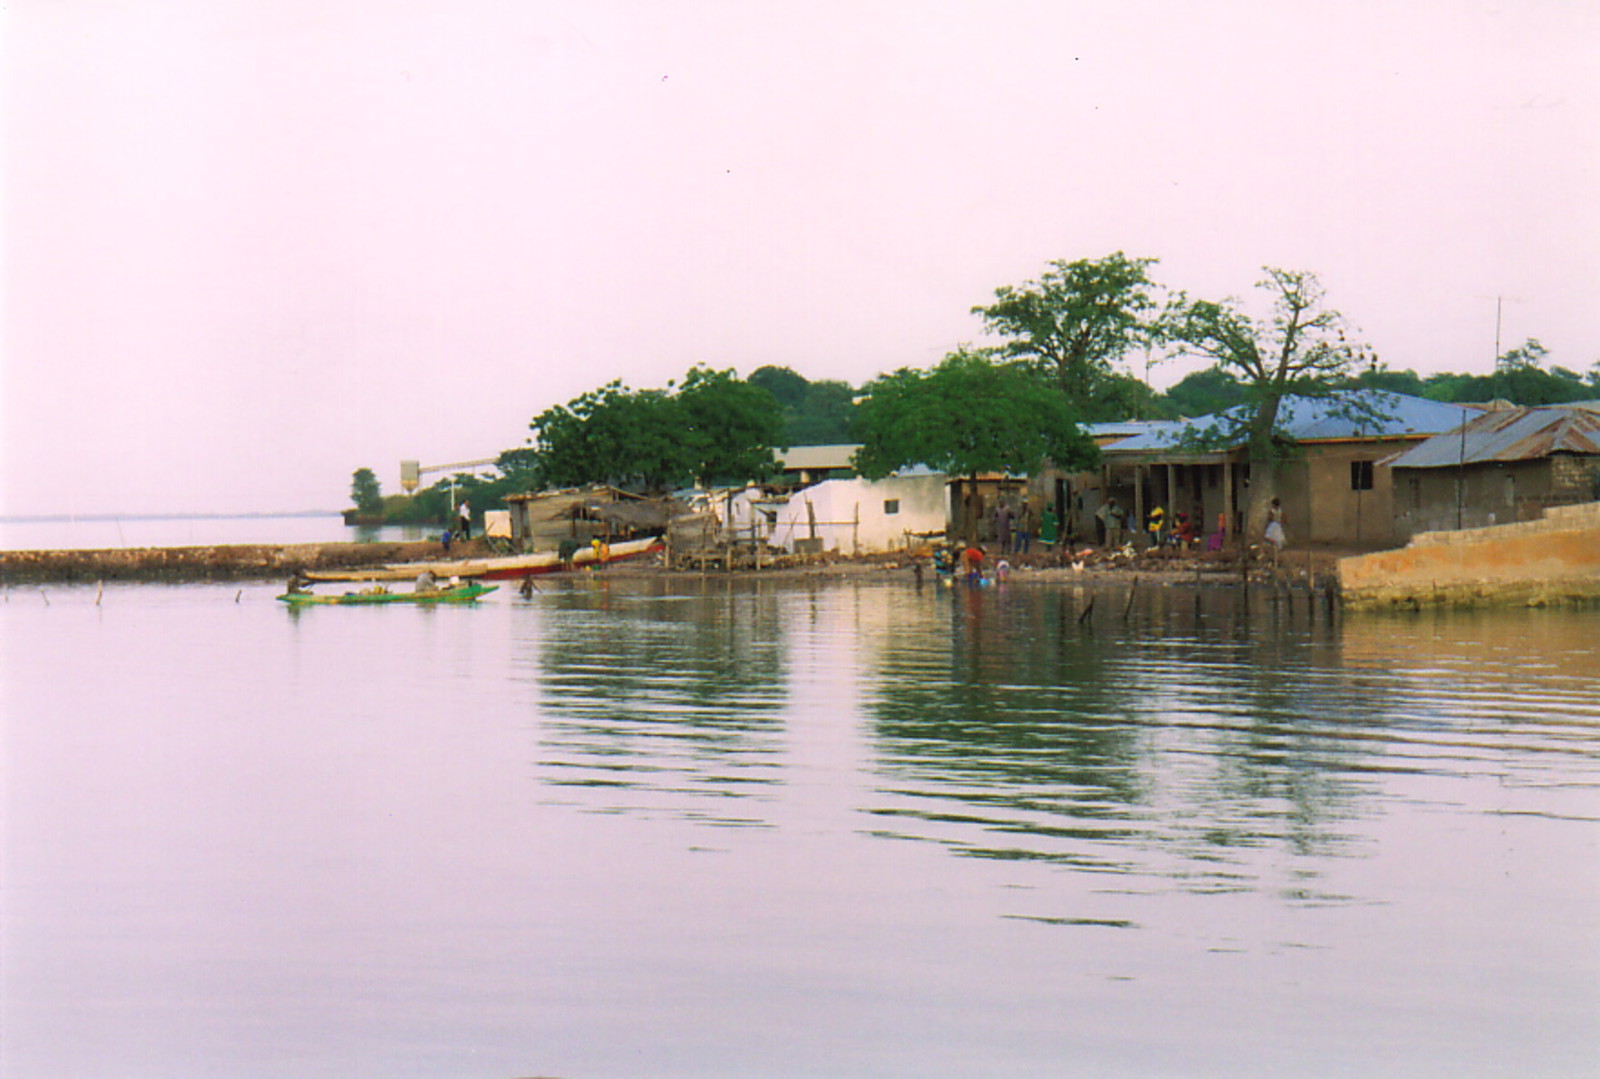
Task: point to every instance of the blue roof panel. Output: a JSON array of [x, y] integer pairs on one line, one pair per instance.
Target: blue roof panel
[[1359, 414]]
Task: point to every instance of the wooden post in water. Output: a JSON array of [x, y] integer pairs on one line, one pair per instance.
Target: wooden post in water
[[1133, 587]]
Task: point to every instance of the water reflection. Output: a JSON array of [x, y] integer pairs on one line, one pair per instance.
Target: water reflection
[[1191, 738], [1171, 739], [659, 702]]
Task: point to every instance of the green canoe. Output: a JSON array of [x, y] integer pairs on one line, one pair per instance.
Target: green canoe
[[465, 593]]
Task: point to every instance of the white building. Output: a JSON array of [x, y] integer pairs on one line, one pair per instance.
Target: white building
[[856, 516]]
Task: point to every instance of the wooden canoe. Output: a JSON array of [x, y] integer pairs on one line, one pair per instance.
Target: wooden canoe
[[510, 567], [465, 593]]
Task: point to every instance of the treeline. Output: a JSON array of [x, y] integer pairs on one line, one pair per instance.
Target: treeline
[[1518, 379], [1063, 343]]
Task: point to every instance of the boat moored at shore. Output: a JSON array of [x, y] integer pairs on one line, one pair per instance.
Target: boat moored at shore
[[507, 568]]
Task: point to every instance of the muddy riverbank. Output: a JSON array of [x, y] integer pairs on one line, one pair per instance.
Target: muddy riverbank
[[229, 562]]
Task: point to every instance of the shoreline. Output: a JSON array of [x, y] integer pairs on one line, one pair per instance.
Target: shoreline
[[209, 562], [239, 562]]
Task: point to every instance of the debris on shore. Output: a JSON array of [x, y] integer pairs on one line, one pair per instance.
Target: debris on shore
[[238, 562]]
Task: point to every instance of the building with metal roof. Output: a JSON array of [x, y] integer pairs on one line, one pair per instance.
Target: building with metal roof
[[1363, 415], [1334, 481], [1503, 466]]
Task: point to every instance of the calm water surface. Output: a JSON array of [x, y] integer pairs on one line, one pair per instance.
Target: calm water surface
[[91, 533], [631, 828]]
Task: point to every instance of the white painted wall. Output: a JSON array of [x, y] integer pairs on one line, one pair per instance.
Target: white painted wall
[[852, 517]]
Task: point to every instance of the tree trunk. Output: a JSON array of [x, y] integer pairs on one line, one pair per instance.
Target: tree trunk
[[1263, 469]]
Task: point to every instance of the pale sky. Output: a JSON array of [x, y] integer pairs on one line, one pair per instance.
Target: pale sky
[[250, 247]]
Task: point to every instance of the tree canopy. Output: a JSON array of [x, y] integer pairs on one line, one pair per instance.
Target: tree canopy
[[1302, 347], [814, 413], [713, 427], [366, 493], [729, 427], [965, 416], [1076, 321]]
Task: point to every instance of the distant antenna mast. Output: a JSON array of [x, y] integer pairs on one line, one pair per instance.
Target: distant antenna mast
[[1461, 459]]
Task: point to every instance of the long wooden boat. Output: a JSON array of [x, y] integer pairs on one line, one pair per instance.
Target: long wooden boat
[[464, 593], [508, 568]]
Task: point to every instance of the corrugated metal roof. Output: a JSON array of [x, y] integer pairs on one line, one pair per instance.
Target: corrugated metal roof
[[1360, 414], [1113, 433], [1513, 434]]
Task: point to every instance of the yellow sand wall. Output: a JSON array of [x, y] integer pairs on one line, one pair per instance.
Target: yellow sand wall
[[1555, 559]]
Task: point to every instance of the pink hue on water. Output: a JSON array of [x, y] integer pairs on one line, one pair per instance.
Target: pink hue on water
[[699, 828]]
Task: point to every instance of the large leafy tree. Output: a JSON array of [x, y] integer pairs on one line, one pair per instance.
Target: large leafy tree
[[729, 427], [1205, 392], [610, 435], [713, 427], [1076, 322], [1301, 347], [965, 416], [814, 413]]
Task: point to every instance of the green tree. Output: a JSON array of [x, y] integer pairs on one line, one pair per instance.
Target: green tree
[[1205, 392], [729, 427], [1518, 378], [788, 387], [1379, 377], [713, 427], [1076, 321], [610, 435], [1300, 348], [967, 415], [814, 413], [522, 462], [366, 493]]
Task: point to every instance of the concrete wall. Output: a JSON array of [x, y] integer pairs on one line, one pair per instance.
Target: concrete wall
[[1555, 559], [1500, 492], [852, 516], [1339, 513]]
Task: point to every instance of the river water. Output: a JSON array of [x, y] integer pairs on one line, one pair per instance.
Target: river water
[[677, 827], [96, 533]]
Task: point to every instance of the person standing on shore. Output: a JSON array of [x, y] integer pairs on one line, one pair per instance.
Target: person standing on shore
[[464, 520], [1111, 518], [1002, 526], [1275, 534], [1025, 529]]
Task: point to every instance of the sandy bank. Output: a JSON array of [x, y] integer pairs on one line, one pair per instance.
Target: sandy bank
[[264, 561]]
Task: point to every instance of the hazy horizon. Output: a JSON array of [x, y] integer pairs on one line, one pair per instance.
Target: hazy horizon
[[251, 247]]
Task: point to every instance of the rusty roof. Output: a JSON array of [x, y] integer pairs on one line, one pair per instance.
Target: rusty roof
[[1511, 434]]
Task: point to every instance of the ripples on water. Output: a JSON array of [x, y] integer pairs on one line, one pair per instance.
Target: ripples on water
[[700, 828], [1162, 742]]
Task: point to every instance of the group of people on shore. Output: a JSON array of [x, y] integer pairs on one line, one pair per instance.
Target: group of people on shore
[[1015, 528], [463, 526], [1183, 531]]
